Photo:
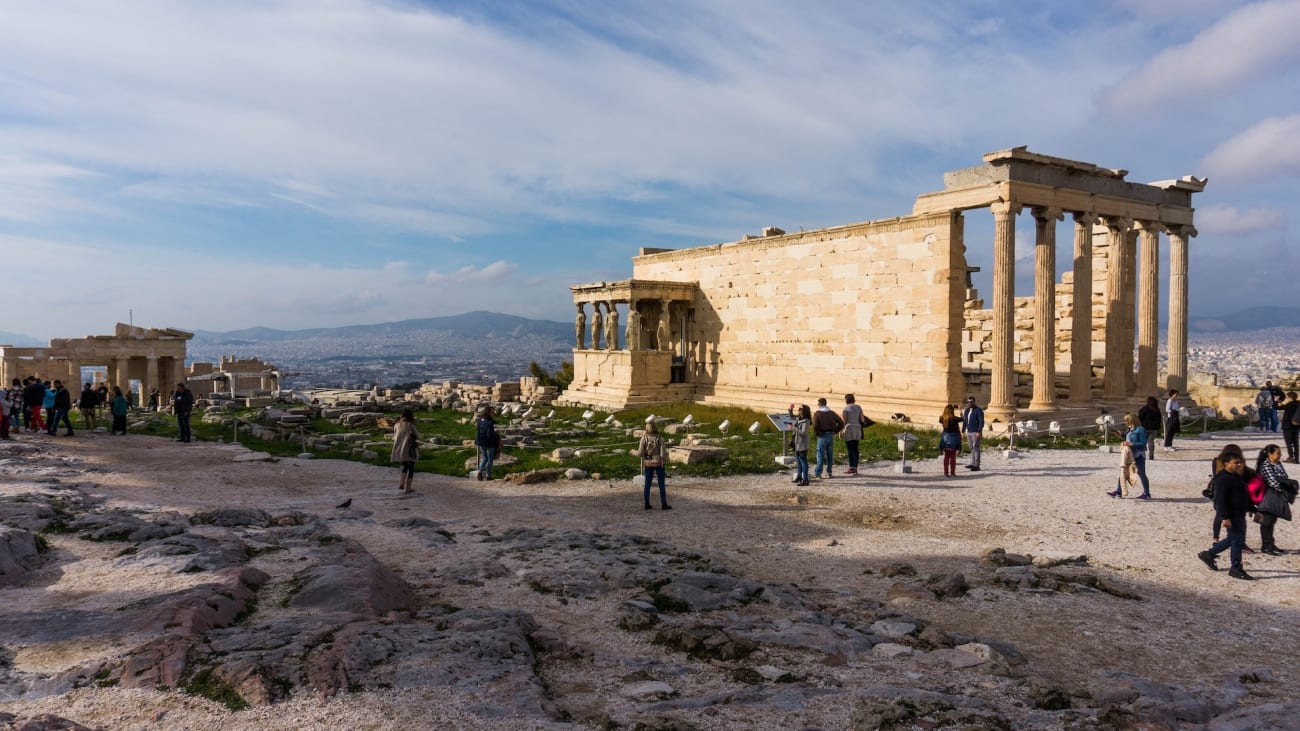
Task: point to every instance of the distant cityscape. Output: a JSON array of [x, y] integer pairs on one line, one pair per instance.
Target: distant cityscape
[[431, 356]]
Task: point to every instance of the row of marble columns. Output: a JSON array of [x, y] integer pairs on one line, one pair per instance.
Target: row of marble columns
[[606, 326], [1120, 285]]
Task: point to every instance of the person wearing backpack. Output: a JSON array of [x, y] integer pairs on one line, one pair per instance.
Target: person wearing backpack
[[1232, 502], [1264, 405], [653, 453]]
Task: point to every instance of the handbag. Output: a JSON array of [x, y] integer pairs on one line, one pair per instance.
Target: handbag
[[867, 421], [1275, 503], [1208, 492]]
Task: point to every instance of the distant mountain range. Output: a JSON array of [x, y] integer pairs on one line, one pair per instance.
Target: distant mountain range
[[1254, 318], [19, 340], [471, 325]]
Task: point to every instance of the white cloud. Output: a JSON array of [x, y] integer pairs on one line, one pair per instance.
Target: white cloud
[[1222, 219], [1269, 148], [497, 271], [1245, 45]]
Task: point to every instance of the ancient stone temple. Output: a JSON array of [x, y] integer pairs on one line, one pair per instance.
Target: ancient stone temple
[[886, 309], [155, 358]]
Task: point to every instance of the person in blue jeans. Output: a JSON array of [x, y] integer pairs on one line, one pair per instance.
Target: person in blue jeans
[[1231, 501], [653, 452], [1135, 440], [826, 424], [485, 438]]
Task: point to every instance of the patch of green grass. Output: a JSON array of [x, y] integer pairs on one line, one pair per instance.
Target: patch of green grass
[[206, 684]]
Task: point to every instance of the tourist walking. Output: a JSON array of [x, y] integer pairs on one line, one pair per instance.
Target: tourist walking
[[1291, 427], [406, 449], [1279, 493], [654, 453], [826, 424], [950, 439], [1173, 419], [853, 419], [1149, 418], [34, 401], [47, 402], [1266, 408], [972, 422], [88, 404], [62, 400], [1216, 466], [182, 407], [1135, 441], [800, 439], [487, 441], [119, 406], [1231, 502], [17, 416]]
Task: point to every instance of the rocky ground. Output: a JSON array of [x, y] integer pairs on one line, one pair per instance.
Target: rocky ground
[[152, 584]]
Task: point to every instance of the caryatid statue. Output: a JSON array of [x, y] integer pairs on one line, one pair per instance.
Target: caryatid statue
[[663, 329], [633, 335], [597, 325], [580, 328], [611, 326]]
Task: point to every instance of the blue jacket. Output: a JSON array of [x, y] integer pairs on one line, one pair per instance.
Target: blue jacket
[[1137, 441], [972, 419]]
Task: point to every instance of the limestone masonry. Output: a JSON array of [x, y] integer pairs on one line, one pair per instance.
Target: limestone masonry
[[886, 310]]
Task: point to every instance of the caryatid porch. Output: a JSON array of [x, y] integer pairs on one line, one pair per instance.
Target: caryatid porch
[[1099, 202], [636, 342]]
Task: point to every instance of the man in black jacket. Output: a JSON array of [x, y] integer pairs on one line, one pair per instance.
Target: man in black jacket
[[1231, 501], [182, 405], [88, 403], [62, 406]]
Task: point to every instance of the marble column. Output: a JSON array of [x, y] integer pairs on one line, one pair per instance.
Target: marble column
[[1148, 309], [1130, 311], [1002, 399], [150, 377], [1177, 361], [1114, 382], [1081, 317], [73, 381], [665, 326], [123, 376], [1044, 397]]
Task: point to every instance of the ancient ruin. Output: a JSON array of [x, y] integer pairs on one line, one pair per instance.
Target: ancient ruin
[[154, 357], [886, 309]]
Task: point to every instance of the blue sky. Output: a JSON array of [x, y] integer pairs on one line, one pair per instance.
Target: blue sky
[[301, 163]]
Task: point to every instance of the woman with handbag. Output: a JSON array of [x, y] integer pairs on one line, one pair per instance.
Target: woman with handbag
[[1135, 440], [1231, 502], [406, 449], [950, 439], [1276, 501], [653, 452]]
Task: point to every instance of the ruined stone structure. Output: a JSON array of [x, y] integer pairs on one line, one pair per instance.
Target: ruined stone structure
[[233, 377], [154, 357], [886, 310]]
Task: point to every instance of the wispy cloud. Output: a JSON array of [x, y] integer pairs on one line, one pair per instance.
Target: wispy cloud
[[1222, 219], [497, 271], [1267, 149], [1228, 54]]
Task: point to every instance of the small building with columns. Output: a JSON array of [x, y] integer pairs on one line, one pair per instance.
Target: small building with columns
[[886, 309], [153, 357]]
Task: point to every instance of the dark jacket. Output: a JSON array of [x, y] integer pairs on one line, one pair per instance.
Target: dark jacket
[[34, 394], [89, 399], [62, 400], [183, 402], [826, 421], [1231, 500], [486, 436], [1288, 415], [1149, 418], [972, 419]]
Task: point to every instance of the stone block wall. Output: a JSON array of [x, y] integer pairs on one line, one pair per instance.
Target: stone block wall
[[873, 309]]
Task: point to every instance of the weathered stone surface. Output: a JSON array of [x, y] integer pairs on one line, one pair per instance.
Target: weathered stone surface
[[908, 592], [890, 649], [696, 454], [533, 477], [20, 553], [233, 517], [190, 552], [116, 525], [42, 722], [350, 580]]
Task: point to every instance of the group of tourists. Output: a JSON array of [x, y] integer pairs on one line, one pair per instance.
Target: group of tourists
[[37, 405], [1265, 493], [820, 428]]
